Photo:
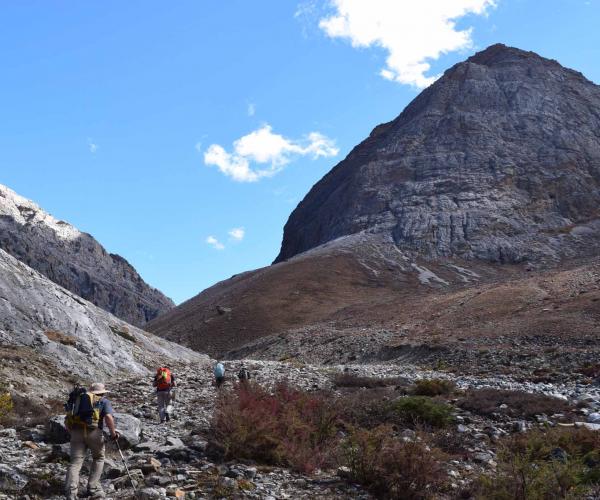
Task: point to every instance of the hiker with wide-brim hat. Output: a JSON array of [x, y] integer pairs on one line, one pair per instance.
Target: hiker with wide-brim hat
[[87, 412]]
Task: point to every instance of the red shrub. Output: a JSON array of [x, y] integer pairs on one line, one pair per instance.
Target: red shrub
[[287, 427]]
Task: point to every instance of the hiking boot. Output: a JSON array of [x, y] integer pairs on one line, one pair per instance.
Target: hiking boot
[[167, 417]]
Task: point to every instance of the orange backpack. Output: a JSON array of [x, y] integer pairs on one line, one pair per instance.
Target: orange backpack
[[163, 379]]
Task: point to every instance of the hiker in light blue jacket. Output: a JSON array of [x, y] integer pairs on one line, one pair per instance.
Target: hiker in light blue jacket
[[219, 374]]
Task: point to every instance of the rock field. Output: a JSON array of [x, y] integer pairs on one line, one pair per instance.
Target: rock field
[[172, 460]]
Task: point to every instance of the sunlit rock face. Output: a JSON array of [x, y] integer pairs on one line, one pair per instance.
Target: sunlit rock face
[[498, 160], [76, 261]]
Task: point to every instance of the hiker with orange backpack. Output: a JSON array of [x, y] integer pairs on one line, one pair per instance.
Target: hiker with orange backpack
[[87, 412], [164, 381]]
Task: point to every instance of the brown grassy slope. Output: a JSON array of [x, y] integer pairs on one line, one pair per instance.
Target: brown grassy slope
[[270, 300], [507, 304]]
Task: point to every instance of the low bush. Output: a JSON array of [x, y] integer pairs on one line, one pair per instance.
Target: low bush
[[433, 387], [393, 468], [418, 411], [544, 464], [287, 427], [519, 404], [590, 370], [123, 332], [351, 380], [6, 407], [61, 338], [410, 411]]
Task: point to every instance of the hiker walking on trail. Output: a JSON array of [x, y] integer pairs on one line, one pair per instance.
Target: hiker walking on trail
[[87, 412], [164, 381], [243, 375], [219, 372]]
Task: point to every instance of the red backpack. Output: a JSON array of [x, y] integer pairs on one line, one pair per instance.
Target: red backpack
[[163, 379]]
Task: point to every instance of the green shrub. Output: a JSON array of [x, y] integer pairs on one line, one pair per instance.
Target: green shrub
[[433, 387], [421, 410], [519, 404], [392, 468], [6, 406], [544, 464]]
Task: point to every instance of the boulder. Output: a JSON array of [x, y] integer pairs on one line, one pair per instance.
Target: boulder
[[594, 418], [147, 494], [56, 432], [129, 428], [11, 480]]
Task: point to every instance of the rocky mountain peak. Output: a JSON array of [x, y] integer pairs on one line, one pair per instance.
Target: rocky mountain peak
[[76, 261], [499, 160]]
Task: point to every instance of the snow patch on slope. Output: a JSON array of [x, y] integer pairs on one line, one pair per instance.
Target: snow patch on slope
[[24, 212]]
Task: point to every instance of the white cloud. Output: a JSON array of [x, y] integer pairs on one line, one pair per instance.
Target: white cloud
[[215, 243], [263, 153], [93, 147], [237, 233], [198, 146], [251, 109], [412, 32]]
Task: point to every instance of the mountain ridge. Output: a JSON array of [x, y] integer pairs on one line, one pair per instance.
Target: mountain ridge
[[480, 113], [76, 261], [490, 176]]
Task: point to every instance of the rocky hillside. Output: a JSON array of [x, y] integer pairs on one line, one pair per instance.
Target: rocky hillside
[[499, 160], [76, 261], [50, 337], [471, 216]]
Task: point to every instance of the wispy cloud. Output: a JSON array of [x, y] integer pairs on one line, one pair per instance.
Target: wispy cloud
[[411, 32], [237, 233], [92, 146], [251, 109], [215, 243], [198, 146], [263, 153]]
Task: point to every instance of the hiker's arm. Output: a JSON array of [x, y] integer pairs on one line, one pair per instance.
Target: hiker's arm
[[110, 423]]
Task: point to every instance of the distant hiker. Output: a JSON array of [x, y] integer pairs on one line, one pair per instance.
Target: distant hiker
[[219, 374], [243, 374], [87, 412], [164, 381]]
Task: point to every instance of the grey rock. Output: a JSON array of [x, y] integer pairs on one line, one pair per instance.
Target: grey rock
[[174, 441], [483, 457], [498, 160], [8, 433], [147, 494], [11, 480], [130, 429], [594, 418], [76, 261], [559, 455], [71, 335], [56, 432]]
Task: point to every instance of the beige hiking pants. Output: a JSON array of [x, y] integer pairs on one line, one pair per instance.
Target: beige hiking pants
[[163, 398], [81, 440]]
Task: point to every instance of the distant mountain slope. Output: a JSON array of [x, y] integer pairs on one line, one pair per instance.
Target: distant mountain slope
[[60, 338], [498, 160], [76, 261], [490, 173]]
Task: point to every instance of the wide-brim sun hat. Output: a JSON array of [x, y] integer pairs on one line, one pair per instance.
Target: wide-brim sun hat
[[98, 389]]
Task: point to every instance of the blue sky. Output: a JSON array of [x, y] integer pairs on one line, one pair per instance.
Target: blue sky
[[121, 117]]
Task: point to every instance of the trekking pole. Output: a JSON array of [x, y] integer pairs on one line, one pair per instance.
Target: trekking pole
[[125, 464]]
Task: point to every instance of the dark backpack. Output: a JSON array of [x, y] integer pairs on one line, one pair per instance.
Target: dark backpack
[[82, 409], [244, 374]]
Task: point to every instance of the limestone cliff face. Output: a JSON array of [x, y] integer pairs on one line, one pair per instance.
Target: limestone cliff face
[[76, 261], [499, 160], [71, 335]]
